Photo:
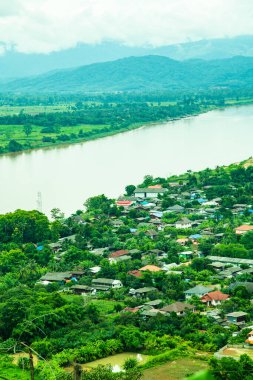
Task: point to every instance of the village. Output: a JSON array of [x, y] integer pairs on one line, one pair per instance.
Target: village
[[175, 248]]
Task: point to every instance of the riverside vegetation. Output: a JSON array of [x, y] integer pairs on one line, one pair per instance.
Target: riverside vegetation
[[158, 249], [30, 122]]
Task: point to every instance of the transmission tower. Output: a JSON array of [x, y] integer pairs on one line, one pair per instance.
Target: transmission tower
[[39, 201]]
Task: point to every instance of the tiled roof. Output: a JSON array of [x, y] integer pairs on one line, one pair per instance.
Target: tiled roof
[[244, 227], [119, 253], [215, 296], [177, 307], [151, 268]]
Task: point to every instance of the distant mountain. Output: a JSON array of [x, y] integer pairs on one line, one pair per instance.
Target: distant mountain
[[141, 73], [14, 64]]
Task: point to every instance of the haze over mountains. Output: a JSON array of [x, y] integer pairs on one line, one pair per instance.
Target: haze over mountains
[[141, 73], [14, 64]]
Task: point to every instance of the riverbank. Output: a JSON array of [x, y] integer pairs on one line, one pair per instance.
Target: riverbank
[[83, 132], [69, 175]]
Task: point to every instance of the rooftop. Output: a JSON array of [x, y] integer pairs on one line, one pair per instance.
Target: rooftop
[[150, 268], [177, 307]]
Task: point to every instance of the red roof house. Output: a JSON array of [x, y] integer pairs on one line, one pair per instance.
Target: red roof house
[[243, 229], [119, 253], [135, 273], [214, 298]]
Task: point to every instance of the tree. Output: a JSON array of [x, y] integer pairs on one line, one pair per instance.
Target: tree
[[27, 129], [231, 369], [57, 214], [130, 189], [14, 146]]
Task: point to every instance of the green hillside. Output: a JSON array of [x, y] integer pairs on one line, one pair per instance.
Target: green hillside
[[142, 73]]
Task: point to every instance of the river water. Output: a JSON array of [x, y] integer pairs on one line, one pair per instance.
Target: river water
[[66, 176]]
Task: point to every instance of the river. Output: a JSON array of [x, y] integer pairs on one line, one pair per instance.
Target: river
[[66, 176]]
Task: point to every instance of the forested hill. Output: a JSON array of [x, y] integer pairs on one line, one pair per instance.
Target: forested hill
[[140, 74]]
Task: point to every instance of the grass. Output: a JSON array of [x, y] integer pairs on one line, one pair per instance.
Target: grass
[[105, 306], [12, 372], [177, 370], [235, 352], [16, 132]]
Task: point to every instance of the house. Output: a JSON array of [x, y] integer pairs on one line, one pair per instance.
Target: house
[[195, 237], [182, 241], [241, 230], [60, 277], [229, 272], [142, 292], [183, 223], [249, 340], [151, 233], [82, 289], [124, 203], [99, 251], [131, 309], [198, 291], [151, 313], [156, 214], [119, 253], [214, 298], [106, 283], [237, 317], [154, 303], [150, 268], [95, 270], [176, 209], [178, 307], [170, 266], [217, 266], [247, 285], [117, 223], [230, 260], [135, 273], [115, 260], [187, 255], [176, 184], [149, 192]]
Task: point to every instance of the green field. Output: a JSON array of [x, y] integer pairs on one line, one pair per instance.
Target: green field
[[16, 132], [177, 370], [33, 110]]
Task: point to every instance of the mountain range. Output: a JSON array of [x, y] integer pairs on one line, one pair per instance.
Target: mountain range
[[145, 73], [14, 64]]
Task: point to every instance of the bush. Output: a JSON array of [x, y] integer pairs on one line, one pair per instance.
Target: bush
[[130, 363], [48, 139], [167, 356], [24, 363]]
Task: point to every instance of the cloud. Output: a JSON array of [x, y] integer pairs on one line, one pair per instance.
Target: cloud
[[51, 25]]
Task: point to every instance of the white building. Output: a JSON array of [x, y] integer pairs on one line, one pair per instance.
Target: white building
[[149, 192]]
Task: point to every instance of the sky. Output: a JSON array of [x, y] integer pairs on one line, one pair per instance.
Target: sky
[[43, 26]]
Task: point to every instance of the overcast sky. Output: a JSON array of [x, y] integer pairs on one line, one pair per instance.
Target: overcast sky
[[50, 25]]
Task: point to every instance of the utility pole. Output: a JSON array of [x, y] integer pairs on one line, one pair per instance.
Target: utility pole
[[31, 364]]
